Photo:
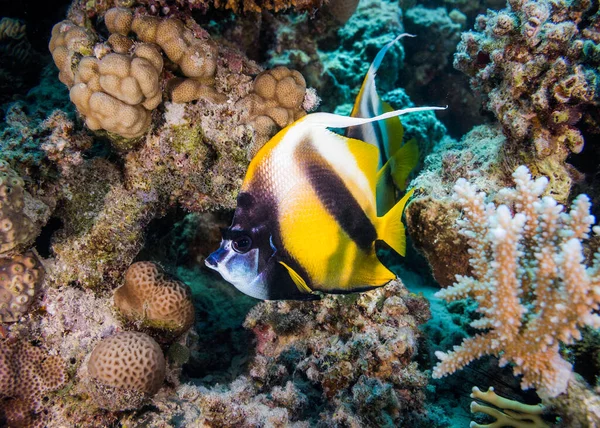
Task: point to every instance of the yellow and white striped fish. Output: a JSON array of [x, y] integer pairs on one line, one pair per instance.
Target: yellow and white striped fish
[[306, 219]]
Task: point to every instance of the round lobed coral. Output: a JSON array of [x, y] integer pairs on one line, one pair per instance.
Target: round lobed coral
[[116, 85], [16, 229], [124, 370], [20, 280], [159, 302], [118, 92], [275, 101], [27, 373]]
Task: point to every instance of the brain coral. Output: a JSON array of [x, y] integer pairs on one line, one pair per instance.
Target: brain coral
[[150, 296], [16, 229], [20, 279], [26, 375], [124, 370]]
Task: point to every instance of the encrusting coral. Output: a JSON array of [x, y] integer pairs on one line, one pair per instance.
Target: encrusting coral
[[158, 302], [16, 228], [27, 374], [529, 279], [124, 370], [535, 63], [20, 280]]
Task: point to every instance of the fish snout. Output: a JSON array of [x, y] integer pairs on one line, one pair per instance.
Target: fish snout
[[211, 261]]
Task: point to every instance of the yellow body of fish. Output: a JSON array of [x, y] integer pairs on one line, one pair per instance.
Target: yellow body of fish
[[314, 204], [322, 187]]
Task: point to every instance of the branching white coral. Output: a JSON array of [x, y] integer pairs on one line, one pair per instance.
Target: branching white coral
[[529, 280]]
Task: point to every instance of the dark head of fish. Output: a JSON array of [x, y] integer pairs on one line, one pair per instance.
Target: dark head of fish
[[251, 250]]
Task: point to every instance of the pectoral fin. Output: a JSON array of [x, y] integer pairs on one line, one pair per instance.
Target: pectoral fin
[[298, 280]]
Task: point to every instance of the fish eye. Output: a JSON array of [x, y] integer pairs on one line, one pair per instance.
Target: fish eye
[[241, 244]]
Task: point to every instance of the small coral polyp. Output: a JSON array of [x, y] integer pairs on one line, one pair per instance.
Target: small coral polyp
[[20, 280], [157, 301], [124, 370]]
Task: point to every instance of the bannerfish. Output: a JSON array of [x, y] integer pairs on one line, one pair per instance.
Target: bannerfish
[[306, 220]]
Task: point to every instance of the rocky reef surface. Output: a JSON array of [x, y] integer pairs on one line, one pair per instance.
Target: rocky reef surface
[[127, 130]]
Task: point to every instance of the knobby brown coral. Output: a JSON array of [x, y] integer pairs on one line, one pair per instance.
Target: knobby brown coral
[[160, 303]]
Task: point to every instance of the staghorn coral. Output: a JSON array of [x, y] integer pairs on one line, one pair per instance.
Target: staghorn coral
[[531, 62], [27, 375], [528, 278], [16, 228], [124, 370], [20, 280], [158, 302]]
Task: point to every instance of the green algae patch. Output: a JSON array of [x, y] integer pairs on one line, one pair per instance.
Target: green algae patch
[[189, 141]]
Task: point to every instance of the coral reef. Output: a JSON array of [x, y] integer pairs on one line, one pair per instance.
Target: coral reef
[[157, 302], [124, 370], [117, 84], [344, 360], [478, 157], [534, 62], [528, 277], [27, 375], [20, 280], [335, 59]]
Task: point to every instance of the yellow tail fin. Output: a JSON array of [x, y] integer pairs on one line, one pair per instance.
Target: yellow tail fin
[[391, 229]]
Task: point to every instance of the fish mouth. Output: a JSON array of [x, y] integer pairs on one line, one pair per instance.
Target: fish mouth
[[211, 262]]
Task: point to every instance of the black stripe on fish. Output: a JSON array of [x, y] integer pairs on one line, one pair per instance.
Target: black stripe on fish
[[336, 197], [257, 215]]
